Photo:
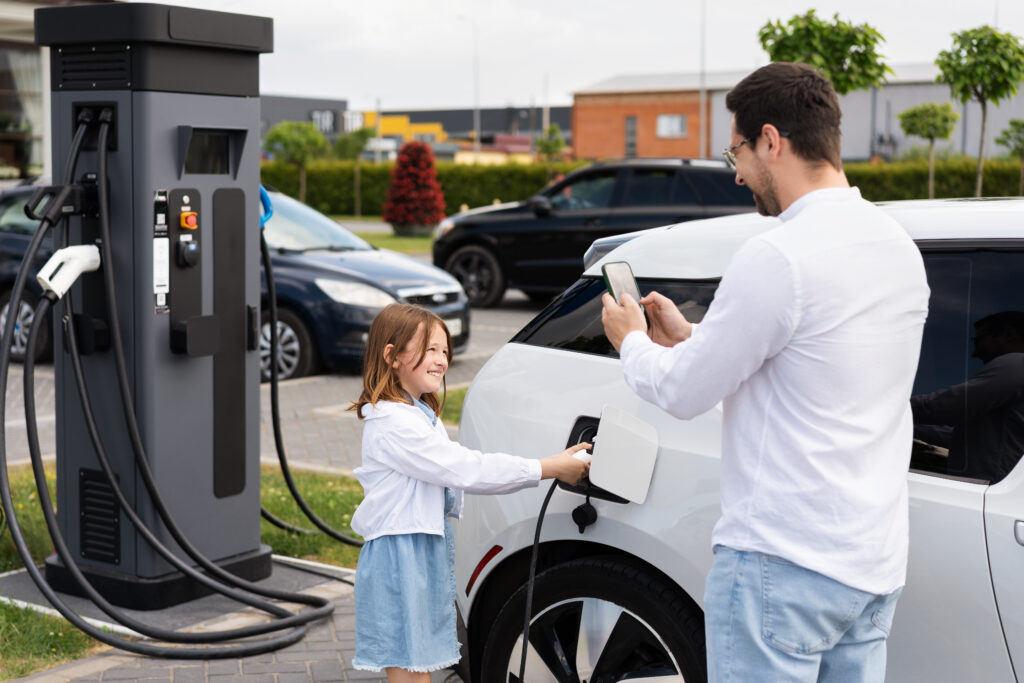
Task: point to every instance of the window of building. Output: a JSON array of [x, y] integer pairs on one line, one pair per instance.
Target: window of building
[[671, 126], [21, 112], [324, 120], [630, 137]]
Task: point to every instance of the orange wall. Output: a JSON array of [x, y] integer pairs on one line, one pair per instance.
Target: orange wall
[[599, 124]]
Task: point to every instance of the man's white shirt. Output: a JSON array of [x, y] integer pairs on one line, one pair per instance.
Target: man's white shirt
[[812, 343]]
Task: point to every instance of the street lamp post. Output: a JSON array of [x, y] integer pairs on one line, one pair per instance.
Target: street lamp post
[[476, 89]]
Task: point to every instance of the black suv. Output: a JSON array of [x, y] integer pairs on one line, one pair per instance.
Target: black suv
[[538, 245]]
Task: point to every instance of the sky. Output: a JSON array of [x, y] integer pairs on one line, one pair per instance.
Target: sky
[[420, 54]]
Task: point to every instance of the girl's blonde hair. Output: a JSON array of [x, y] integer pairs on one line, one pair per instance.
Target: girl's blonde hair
[[397, 324]]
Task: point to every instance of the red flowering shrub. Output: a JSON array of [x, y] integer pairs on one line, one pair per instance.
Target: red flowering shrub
[[414, 195]]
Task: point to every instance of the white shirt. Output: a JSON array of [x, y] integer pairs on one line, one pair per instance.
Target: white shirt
[[812, 342], [408, 462]]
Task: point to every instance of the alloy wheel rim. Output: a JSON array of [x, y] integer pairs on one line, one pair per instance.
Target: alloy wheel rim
[[289, 351], [590, 640], [474, 276], [22, 326]]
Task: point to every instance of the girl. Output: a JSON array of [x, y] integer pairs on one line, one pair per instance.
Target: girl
[[413, 476]]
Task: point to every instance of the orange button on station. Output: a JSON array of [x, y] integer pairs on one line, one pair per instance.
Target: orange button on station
[[189, 220]]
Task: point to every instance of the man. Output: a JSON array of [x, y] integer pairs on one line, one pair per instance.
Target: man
[[812, 343], [981, 421]]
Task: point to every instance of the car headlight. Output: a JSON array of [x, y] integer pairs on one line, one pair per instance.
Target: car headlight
[[354, 293], [443, 227]]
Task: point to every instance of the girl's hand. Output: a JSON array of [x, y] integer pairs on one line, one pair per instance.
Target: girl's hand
[[564, 466]]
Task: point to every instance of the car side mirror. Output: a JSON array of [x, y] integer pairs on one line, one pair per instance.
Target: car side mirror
[[540, 204]]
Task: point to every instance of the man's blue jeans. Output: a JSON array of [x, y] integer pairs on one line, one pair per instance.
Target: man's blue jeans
[[767, 619]]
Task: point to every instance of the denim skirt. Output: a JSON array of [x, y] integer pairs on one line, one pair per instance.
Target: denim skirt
[[405, 603]]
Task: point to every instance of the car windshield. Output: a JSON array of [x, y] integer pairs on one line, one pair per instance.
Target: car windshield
[[296, 227]]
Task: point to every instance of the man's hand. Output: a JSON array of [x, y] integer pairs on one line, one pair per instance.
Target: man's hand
[[668, 325], [619, 320]]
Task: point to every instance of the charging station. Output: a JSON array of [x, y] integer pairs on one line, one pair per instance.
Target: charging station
[[183, 167]]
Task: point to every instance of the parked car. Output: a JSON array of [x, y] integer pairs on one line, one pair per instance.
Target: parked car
[[330, 285], [537, 245], [16, 230], [622, 599]]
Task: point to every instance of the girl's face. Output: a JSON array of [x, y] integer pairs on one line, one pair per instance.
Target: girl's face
[[424, 378]]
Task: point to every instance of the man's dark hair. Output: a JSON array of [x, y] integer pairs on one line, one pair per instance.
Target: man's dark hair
[[796, 99], [1004, 321]]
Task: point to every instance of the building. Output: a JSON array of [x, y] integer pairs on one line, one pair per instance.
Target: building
[[658, 115], [24, 92], [328, 115]]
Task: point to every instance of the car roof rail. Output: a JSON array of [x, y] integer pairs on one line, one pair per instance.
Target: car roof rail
[[660, 161]]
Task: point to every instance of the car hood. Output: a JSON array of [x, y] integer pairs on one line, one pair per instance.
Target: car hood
[[386, 269], [490, 210]]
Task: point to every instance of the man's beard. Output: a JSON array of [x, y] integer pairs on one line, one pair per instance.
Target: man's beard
[[767, 200]]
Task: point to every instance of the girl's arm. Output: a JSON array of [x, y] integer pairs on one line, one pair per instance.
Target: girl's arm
[[421, 452]]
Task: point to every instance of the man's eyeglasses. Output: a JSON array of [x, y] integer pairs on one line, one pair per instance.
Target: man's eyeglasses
[[730, 152]]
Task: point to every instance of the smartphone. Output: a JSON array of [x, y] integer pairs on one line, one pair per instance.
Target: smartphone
[[618, 278]]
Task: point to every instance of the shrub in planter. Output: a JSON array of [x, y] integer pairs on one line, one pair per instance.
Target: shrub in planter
[[415, 203]]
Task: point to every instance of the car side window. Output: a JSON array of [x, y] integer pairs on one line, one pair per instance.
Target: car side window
[[719, 188], [649, 187], [968, 395], [573, 320], [13, 218], [593, 191]]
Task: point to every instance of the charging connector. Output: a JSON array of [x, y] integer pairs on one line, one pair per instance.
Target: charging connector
[[65, 267]]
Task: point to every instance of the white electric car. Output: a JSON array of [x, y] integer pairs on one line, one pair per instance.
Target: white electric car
[[621, 599]]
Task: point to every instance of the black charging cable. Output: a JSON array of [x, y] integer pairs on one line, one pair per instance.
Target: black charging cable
[[275, 411], [529, 582]]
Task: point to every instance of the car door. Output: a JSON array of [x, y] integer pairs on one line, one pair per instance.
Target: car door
[[651, 197], [16, 231], [947, 625], [546, 252]]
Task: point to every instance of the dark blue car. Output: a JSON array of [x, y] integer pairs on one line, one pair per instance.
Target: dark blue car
[[330, 285]]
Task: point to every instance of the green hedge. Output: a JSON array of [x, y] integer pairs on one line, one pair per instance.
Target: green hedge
[[330, 185], [956, 178]]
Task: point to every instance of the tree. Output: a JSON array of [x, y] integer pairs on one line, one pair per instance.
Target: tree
[[986, 66], [1013, 138], [350, 145], [415, 202], [297, 143], [550, 145], [845, 54], [932, 122]]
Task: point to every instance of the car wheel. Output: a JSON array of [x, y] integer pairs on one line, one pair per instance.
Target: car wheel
[[598, 620], [295, 353], [479, 273], [23, 325]]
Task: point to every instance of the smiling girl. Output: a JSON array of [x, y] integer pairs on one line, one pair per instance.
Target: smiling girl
[[414, 477]]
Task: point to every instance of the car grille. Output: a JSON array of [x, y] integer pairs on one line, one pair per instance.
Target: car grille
[[428, 296]]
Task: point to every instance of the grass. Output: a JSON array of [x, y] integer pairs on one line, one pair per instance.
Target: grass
[[32, 642], [452, 410], [333, 498], [404, 245]]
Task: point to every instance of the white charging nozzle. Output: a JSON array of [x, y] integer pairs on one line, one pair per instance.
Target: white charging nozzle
[[64, 267]]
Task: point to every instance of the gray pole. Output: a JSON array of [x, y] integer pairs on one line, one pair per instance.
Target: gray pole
[[476, 93], [703, 88], [376, 153]]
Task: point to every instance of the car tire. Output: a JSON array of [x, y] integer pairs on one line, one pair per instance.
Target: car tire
[[296, 354], [479, 273], [26, 315], [649, 627]]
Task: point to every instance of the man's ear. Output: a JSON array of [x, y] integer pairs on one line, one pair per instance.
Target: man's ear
[[771, 136]]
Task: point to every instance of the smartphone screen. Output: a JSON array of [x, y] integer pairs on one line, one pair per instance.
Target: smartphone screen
[[618, 278]]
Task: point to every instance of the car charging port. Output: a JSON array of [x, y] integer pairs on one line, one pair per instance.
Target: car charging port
[[585, 429]]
